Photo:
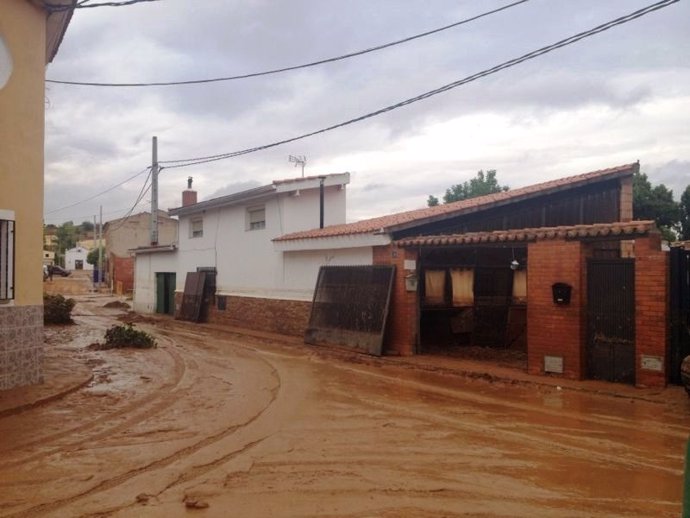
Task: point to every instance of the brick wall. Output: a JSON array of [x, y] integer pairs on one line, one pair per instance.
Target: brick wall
[[553, 329], [402, 328], [123, 271], [651, 309], [289, 317]]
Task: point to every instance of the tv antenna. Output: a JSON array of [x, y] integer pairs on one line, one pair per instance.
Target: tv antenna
[[298, 160]]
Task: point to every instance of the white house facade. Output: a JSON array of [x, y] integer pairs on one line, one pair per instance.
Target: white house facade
[[266, 284], [75, 259]]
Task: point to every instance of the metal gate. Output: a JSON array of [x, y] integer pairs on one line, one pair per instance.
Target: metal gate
[[350, 307], [680, 311], [611, 320]]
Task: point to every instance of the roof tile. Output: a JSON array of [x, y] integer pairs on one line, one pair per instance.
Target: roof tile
[[390, 222]]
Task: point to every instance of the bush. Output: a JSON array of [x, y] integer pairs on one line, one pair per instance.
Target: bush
[[127, 336], [57, 309]]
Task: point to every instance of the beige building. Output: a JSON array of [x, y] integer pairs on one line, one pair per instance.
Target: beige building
[[29, 40], [125, 234]]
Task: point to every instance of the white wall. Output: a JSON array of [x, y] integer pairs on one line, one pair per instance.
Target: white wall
[[75, 254], [302, 268], [146, 265], [247, 261]]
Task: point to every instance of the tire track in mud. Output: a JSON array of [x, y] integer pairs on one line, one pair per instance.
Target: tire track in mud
[[532, 436], [163, 462], [140, 410]]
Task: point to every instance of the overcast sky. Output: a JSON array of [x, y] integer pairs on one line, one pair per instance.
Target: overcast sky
[[612, 99]]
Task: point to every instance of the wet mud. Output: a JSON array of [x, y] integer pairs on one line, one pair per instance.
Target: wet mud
[[221, 424]]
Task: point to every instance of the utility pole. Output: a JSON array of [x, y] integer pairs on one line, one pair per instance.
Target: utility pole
[[100, 250], [154, 192]]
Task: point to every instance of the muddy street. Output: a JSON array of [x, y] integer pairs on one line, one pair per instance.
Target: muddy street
[[214, 423]]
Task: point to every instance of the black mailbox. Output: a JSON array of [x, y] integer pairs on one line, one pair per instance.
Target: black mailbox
[[561, 293]]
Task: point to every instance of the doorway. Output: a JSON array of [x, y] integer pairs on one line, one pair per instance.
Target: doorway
[[165, 293]]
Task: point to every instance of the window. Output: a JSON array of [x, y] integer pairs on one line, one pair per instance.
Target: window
[[256, 218], [7, 256], [196, 227]]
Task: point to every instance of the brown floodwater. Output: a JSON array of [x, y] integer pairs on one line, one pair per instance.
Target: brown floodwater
[[220, 424]]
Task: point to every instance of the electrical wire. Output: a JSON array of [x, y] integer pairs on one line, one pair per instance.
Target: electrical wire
[[186, 162], [123, 219], [84, 4], [296, 67], [99, 194]]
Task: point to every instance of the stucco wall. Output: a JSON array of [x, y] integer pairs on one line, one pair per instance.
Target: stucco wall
[[75, 254], [121, 236], [22, 102], [246, 260], [145, 268]]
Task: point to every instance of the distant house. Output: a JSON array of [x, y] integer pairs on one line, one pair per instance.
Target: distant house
[[557, 271], [29, 39], [121, 235], [75, 259]]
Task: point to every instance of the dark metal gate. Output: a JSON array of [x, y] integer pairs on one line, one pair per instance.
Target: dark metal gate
[[611, 320], [351, 307], [680, 311]]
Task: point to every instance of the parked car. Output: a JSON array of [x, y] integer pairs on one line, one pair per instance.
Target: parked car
[[59, 270]]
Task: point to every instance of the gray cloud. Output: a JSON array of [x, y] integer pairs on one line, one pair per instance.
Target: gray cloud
[[97, 137]]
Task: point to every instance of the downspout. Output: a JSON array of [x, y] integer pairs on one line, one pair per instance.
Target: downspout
[[321, 180]]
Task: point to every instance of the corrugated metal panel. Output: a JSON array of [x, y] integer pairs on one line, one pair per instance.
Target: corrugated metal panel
[[351, 307]]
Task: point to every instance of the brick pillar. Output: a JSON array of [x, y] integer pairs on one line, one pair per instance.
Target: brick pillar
[[651, 311], [555, 330], [401, 332]]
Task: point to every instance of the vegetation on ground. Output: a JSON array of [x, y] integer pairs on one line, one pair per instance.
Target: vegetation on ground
[[126, 336], [57, 309]]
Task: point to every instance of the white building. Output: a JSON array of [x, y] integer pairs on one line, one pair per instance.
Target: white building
[[232, 237], [75, 259]]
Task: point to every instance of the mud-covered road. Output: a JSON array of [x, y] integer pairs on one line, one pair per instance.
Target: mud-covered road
[[212, 423]]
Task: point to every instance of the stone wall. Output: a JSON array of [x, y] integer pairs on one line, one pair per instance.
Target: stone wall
[[21, 345]]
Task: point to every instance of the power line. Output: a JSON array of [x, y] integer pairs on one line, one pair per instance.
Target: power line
[[84, 4], [296, 67], [507, 64], [99, 194], [140, 197]]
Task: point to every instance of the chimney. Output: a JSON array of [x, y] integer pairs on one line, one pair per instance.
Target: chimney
[[188, 195]]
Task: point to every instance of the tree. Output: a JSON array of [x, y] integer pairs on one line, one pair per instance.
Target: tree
[[482, 184], [655, 203], [67, 236], [685, 214], [92, 257]]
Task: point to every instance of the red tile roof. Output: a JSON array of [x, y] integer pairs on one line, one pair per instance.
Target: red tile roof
[[610, 230], [416, 217]]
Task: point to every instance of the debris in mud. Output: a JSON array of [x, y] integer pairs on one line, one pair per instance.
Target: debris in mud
[[193, 503], [132, 317], [125, 336], [143, 498], [117, 304]]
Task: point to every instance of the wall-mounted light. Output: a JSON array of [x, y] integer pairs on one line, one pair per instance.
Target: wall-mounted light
[[514, 265]]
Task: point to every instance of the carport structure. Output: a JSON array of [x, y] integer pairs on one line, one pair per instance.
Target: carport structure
[[583, 301]]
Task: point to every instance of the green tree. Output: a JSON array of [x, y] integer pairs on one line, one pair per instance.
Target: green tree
[[685, 214], [67, 238], [655, 202], [480, 185], [92, 256]]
